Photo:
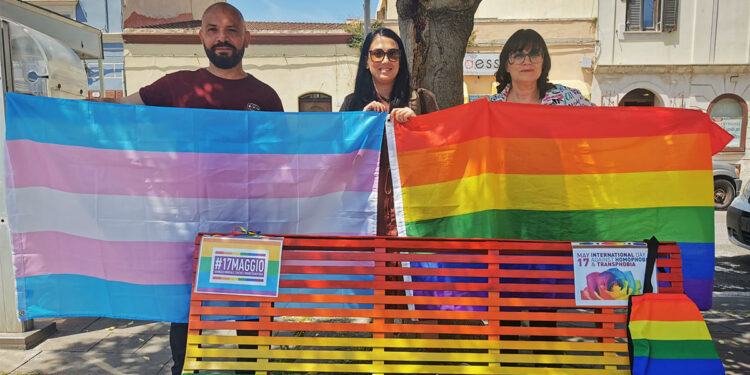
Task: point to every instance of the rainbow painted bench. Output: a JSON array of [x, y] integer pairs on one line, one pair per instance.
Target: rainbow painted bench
[[309, 328]]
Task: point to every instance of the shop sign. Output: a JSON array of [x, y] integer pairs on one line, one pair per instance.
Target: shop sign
[[481, 64]]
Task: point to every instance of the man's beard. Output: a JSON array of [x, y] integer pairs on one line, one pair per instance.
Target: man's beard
[[224, 61]]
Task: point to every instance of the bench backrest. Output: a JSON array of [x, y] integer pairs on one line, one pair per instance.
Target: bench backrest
[[344, 307]]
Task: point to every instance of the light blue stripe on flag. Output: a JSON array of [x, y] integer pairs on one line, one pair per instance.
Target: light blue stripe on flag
[[142, 128]]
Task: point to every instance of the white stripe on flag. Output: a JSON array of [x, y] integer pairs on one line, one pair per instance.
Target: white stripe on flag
[[139, 218]]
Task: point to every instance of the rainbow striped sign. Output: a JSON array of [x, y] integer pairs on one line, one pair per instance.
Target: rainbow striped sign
[[504, 170], [241, 266], [105, 200]]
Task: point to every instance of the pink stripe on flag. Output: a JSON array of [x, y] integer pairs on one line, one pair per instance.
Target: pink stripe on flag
[[147, 263], [189, 175]]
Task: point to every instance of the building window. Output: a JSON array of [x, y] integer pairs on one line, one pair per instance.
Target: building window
[[640, 98], [651, 15], [730, 112], [315, 102]]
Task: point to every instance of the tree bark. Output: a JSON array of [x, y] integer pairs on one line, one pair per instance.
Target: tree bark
[[435, 34]]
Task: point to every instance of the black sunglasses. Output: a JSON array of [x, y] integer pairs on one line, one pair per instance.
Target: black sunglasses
[[377, 55]]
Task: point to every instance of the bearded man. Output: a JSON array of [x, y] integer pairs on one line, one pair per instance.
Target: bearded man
[[224, 84]]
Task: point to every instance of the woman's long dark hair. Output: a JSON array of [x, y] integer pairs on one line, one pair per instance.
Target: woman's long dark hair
[[364, 89], [519, 41]]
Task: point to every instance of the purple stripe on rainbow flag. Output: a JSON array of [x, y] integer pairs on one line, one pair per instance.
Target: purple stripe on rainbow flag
[[145, 173]]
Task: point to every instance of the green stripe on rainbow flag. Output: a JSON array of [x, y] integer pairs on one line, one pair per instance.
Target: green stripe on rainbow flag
[[688, 224]]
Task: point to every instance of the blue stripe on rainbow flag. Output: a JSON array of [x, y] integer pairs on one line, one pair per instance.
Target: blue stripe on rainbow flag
[[698, 272], [677, 366]]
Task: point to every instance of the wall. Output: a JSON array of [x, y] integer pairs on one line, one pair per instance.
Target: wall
[[524, 10], [733, 32], [536, 9], [166, 9], [697, 40]]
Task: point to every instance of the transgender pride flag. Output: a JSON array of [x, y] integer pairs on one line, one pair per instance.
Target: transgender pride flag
[[105, 200]]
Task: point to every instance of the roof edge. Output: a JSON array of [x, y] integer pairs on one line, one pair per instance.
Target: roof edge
[[255, 38]]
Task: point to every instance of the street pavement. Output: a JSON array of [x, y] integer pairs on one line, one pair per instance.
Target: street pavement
[[729, 319], [115, 346]]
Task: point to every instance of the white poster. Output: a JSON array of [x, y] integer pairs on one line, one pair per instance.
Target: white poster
[[733, 126], [607, 273]]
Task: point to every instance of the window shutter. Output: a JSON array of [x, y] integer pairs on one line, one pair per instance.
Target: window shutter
[[670, 15], [633, 15]]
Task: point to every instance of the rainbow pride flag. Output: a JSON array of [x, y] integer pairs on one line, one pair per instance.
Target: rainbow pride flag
[[668, 336], [105, 200], [503, 170]]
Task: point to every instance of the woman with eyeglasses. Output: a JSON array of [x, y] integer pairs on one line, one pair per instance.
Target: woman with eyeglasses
[[523, 74], [523, 78], [382, 85]]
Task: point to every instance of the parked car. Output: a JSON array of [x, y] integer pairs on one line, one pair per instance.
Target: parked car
[[738, 219], [727, 184]]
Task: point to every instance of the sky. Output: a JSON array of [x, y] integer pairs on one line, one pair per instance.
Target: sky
[[328, 11]]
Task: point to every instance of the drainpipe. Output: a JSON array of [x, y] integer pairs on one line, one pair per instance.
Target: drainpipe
[[714, 26]]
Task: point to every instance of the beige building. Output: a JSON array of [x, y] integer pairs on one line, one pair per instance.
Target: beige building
[[568, 28], [691, 54]]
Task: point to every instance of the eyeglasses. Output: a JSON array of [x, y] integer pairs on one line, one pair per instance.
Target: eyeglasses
[[535, 57], [377, 55]]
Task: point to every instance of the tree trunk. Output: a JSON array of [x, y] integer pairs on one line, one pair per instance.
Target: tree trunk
[[435, 34]]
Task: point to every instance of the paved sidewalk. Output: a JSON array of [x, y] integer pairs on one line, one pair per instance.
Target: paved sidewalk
[[729, 324], [85, 346]]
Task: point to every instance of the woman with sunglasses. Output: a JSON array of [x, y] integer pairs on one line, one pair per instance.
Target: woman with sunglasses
[[382, 85], [382, 82], [524, 68]]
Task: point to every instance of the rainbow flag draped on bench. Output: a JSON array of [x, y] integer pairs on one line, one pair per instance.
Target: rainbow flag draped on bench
[[503, 170], [105, 200], [668, 336]]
